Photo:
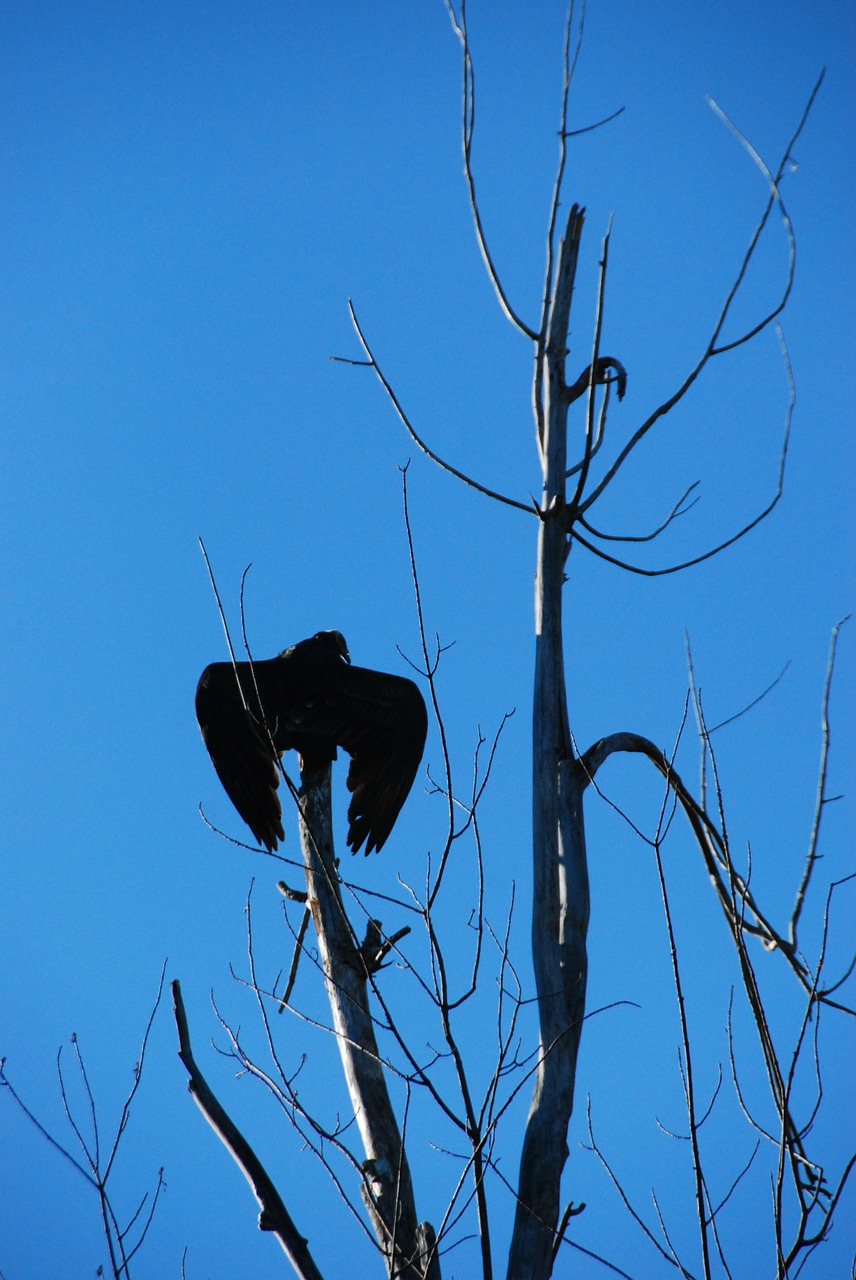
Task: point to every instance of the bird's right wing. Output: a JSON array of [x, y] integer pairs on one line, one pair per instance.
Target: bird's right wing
[[382, 724]]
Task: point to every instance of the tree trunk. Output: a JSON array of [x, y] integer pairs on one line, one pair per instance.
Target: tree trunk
[[387, 1190], [560, 892]]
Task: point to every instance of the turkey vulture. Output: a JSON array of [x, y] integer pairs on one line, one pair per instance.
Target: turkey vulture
[[310, 699]]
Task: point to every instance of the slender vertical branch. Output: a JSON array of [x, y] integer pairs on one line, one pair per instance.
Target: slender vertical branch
[[689, 1088], [590, 439], [568, 66], [468, 115], [821, 801]]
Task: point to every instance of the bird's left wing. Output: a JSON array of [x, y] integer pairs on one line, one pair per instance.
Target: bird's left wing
[[381, 721]]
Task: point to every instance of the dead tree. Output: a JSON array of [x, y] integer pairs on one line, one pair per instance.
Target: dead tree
[[563, 777]]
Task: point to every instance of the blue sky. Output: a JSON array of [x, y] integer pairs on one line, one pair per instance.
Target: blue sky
[[189, 194]]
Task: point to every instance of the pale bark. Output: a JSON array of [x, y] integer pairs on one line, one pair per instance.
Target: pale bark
[[560, 892], [273, 1215], [387, 1189]]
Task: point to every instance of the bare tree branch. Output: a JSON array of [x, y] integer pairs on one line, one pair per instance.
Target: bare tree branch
[[613, 1177], [372, 1044], [689, 1088], [822, 799], [741, 533], [606, 365], [468, 115], [730, 886], [712, 349], [273, 1216], [373, 364], [560, 872], [677, 510], [116, 1237], [596, 367], [568, 67]]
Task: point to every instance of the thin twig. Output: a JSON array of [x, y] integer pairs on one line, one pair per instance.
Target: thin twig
[[821, 800], [411, 430], [712, 349], [468, 113], [677, 510], [735, 537]]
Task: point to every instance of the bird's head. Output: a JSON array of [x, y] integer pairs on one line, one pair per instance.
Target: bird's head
[[336, 642]]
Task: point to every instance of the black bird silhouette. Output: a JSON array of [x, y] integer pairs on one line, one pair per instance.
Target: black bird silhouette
[[310, 699]]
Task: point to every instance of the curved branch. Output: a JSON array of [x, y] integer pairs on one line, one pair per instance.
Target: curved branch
[[685, 564], [590, 128], [713, 847], [737, 715], [601, 367], [741, 533], [677, 510], [621, 380], [474, 484]]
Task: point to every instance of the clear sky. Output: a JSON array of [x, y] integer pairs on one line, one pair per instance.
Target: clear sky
[[189, 194]]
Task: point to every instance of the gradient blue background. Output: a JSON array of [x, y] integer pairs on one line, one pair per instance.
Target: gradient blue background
[[188, 196]]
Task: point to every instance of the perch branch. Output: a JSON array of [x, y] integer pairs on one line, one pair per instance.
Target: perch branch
[[388, 1190]]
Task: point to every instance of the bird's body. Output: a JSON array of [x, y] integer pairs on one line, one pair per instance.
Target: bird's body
[[311, 700]]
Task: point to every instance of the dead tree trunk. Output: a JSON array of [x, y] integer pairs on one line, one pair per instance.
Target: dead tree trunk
[[560, 894], [387, 1187]]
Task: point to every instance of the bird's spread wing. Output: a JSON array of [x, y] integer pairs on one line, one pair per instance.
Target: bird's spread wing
[[309, 699], [245, 761], [382, 726]]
